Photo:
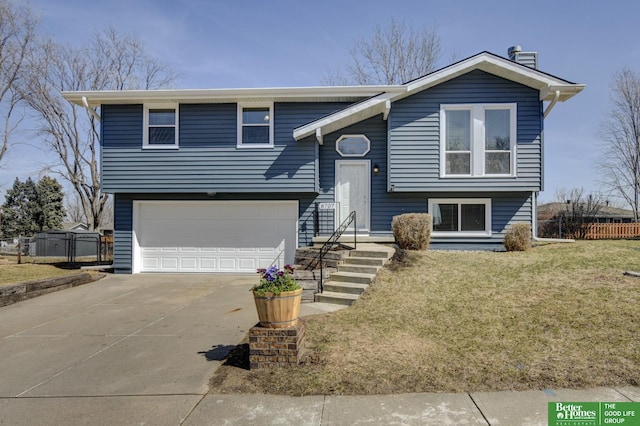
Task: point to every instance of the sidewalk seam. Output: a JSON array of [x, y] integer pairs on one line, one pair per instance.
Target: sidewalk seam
[[324, 401], [625, 396], [184, 419], [478, 407]]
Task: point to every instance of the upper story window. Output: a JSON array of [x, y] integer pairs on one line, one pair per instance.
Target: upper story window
[[461, 217], [255, 125], [478, 140], [353, 145], [160, 126]]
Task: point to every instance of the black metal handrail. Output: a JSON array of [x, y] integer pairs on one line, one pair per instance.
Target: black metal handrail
[[333, 240]]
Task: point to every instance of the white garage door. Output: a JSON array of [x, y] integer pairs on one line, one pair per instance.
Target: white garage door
[[213, 236]]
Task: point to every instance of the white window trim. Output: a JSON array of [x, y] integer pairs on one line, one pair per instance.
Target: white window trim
[[243, 105], [343, 137], [145, 125], [477, 138], [487, 217]]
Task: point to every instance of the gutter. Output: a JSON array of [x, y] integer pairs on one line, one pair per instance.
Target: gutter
[[93, 112], [553, 103], [534, 228]]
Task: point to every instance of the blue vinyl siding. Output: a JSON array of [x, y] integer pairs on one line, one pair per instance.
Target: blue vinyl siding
[[383, 204], [414, 135], [207, 159], [507, 207], [122, 234]]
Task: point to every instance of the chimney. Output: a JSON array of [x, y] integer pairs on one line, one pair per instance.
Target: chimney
[[529, 59]]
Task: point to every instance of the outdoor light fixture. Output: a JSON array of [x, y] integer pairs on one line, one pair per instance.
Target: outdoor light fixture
[[376, 169]]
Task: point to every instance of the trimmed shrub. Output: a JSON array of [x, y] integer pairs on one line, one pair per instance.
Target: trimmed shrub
[[412, 231], [518, 237]]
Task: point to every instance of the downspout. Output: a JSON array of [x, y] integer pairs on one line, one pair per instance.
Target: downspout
[[553, 103], [534, 226], [95, 115]]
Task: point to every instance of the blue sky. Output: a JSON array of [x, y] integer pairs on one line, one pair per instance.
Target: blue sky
[[223, 44]]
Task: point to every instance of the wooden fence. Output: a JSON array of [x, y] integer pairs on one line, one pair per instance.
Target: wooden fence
[[599, 231]]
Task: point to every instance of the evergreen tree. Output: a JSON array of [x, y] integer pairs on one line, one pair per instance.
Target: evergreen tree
[[17, 217], [50, 207], [31, 207]]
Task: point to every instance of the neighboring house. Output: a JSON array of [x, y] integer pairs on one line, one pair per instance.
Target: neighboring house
[[227, 180], [605, 214], [75, 226]]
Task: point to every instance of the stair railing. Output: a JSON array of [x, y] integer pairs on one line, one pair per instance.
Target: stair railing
[[333, 240]]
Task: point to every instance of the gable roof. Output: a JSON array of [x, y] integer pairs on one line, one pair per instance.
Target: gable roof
[[371, 100], [551, 89], [73, 226]]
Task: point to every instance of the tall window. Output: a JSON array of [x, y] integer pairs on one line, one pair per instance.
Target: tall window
[[461, 217], [160, 126], [255, 125], [478, 140], [458, 142]]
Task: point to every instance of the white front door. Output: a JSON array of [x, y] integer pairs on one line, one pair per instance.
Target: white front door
[[353, 189]]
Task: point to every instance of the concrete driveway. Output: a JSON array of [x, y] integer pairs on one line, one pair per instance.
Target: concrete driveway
[[80, 355]]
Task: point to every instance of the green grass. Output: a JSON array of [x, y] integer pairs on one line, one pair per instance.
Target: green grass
[[560, 315]]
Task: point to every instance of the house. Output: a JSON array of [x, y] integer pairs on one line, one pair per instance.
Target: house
[[75, 226], [603, 214], [227, 180]]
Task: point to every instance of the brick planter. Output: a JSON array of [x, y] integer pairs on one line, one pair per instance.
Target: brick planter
[[275, 347]]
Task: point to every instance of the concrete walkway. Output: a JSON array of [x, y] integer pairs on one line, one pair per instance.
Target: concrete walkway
[[131, 350], [481, 408]]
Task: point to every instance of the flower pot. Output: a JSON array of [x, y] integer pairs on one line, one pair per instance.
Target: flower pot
[[279, 311]]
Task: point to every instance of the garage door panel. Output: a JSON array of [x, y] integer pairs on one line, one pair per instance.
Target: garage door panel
[[215, 236], [247, 264], [228, 264], [208, 263], [150, 263], [169, 263], [189, 263]]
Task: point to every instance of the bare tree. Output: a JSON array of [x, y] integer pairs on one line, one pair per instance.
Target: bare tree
[[73, 207], [17, 32], [571, 213], [620, 156], [393, 54], [107, 212], [111, 61]]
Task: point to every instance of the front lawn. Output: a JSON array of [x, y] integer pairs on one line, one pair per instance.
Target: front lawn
[[557, 316], [13, 273]]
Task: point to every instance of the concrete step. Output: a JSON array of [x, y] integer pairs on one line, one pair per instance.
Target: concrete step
[[362, 269], [336, 298], [380, 254], [354, 260], [344, 287], [311, 252], [353, 277]]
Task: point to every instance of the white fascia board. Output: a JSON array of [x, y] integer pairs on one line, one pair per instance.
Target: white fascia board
[[344, 118], [96, 98], [566, 92]]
